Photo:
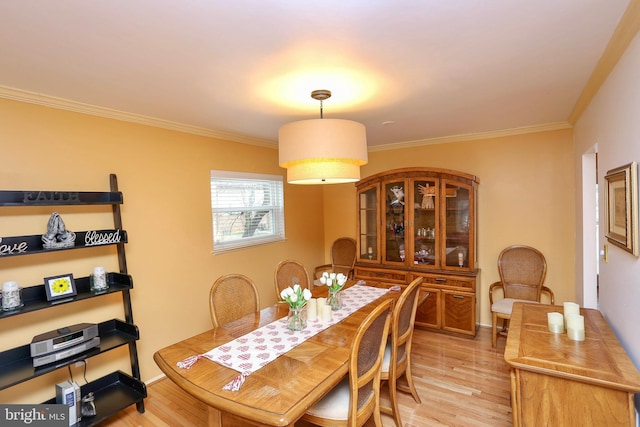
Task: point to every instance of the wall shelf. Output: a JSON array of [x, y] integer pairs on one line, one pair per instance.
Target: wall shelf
[[116, 390]]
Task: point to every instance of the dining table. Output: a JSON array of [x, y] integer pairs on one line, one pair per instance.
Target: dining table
[[280, 392]]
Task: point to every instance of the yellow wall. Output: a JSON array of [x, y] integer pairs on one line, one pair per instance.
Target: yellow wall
[[525, 196], [164, 176]]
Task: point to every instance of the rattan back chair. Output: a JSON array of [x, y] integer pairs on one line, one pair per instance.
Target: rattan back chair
[[231, 297], [397, 355], [522, 272], [288, 273], [357, 397], [343, 258]]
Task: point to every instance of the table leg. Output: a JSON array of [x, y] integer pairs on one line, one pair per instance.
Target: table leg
[[215, 417]]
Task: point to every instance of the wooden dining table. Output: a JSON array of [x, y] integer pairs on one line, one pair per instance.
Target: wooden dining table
[[279, 393]]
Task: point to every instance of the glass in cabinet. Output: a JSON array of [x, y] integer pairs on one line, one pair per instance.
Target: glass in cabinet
[[368, 223], [395, 249], [457, 211], [425, 225]]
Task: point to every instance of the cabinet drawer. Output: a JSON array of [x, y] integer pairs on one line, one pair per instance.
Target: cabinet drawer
[[386, 276], [459, 312], [467, 283]]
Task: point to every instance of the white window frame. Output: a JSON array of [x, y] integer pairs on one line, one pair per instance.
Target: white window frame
[[221, 182]]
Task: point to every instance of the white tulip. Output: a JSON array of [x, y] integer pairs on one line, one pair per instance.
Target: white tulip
[[307, 294]]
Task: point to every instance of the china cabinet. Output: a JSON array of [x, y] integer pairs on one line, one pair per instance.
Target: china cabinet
[[112, 392], [421, 222]]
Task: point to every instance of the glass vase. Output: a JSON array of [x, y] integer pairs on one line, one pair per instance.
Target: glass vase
[[335, 300], [297, 318]]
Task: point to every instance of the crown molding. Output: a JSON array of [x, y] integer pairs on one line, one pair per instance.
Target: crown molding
[[625, 32], [79, 107], [473, 136]]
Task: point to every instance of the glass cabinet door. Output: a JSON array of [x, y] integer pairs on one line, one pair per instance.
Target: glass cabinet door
[[368, 223], [425, 225], [458, 245], [394, 221]]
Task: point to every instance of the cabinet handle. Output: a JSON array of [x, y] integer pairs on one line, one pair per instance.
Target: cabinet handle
[[458, 296], [426, 294], [440, 280], [379, 274]]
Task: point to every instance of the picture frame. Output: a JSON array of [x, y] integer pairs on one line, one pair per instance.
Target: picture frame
[[621, 207], [60, 287]]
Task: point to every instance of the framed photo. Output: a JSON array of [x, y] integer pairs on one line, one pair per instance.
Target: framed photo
[[621, 207], [59, 287]]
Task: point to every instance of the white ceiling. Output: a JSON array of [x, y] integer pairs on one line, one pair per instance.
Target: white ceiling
[[435, 68]]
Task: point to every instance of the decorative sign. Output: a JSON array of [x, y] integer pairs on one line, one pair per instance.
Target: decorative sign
[[96, 238], [13, 247], [50, 196]]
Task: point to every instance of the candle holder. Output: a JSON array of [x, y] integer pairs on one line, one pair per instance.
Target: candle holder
[[98, 280], [11, 296]]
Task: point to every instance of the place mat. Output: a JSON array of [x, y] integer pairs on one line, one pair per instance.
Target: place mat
[[252, 351]]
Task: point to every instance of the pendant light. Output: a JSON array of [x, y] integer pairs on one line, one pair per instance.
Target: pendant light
[[322, 151]]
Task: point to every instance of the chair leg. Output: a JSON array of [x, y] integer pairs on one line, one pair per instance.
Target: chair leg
[[412, 387], [393, 396], [494, 332]]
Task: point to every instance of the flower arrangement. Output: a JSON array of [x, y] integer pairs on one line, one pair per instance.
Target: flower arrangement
[[334, 281], [296, 297]]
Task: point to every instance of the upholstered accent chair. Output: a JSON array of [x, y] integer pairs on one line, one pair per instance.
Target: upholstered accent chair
[[522, 272]]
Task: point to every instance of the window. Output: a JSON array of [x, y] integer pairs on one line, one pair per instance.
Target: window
[[247, 209]]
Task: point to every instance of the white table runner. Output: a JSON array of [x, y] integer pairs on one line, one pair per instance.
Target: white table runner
[[256, 349]]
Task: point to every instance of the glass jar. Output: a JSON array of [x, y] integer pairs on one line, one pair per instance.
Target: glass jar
[[335, 300], [297, 318]]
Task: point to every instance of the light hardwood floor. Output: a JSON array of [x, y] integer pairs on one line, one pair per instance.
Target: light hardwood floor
[[461, 381]]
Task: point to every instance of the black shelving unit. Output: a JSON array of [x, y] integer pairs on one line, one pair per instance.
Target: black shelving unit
[[113, 392]]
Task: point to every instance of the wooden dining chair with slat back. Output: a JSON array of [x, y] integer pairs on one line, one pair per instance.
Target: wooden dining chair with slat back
[[356, 398], [288, 273], [231, 297], [397, 355], [343, 258], [522, 272]]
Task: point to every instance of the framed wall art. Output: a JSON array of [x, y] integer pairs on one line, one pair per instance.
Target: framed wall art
[[621, 207], [60, 287]]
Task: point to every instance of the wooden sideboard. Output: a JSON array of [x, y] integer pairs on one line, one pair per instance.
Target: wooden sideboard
[[559, 382]]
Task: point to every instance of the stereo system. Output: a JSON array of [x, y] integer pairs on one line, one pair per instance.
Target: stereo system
[[64, 342]]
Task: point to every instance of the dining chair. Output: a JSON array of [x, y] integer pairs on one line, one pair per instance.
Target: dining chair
[[231, 297], [356, 398], [522, 272], [343, 258], [397, 355], [288, 273]]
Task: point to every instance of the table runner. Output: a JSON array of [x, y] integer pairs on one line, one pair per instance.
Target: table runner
[[256, 349]]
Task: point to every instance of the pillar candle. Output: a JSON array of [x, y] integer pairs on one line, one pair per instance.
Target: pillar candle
[[575, 327], [555, 322], [320, 302], [326, 313], [571, 308], [312, 312]]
